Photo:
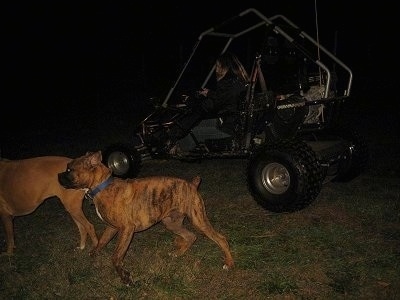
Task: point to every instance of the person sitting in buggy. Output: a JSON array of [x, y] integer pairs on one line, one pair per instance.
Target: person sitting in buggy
[[220, 101]]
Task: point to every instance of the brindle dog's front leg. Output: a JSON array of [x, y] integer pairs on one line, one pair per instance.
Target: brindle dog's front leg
[[105, 238], [125, 236]]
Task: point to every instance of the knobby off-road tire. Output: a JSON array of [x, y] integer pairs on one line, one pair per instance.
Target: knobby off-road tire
[[123, 160], [284, 176]]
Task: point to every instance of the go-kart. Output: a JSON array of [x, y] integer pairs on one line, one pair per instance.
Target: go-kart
[[289, 123]]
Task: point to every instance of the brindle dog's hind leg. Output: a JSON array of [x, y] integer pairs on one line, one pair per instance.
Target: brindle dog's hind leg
[[199, 219], [185, 239]]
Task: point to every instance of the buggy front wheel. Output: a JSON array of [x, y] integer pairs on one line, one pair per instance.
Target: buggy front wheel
[[124, 161]]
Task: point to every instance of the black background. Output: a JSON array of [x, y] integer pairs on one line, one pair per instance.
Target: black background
[[66, 62]]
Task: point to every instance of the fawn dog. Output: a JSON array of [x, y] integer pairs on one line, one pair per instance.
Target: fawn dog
[[26, 183], [132, 205]]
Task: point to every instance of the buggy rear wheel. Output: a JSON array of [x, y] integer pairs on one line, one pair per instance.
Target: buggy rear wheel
[[284, 176]]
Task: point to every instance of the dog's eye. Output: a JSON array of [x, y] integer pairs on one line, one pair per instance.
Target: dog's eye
[[68, 170]]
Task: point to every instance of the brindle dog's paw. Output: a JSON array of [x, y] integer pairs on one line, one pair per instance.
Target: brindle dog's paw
[[93, 252], [173, 254], [176, 253], [228, 265], [126, 278]]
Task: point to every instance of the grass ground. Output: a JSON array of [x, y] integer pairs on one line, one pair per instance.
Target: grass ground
[[346, 245]]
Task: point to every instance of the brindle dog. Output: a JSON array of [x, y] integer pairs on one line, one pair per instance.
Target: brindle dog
[[132, 205]]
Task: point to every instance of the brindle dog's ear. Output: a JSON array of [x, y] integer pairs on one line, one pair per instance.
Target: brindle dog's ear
[[95, 158], [90, 153], [99, 155]]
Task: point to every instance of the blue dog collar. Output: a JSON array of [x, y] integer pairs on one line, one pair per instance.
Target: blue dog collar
[[93, 192]]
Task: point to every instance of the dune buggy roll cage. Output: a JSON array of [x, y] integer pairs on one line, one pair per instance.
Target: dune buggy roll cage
[[281, 26]]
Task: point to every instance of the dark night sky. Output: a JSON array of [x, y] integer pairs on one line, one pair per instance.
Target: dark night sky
[[72, 48]]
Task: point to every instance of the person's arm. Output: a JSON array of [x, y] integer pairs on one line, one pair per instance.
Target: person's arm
[[224, 95]]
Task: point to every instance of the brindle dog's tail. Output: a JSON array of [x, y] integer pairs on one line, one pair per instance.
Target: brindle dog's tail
[[196, 180]]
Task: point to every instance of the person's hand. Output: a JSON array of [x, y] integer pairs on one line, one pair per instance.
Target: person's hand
[[184, 98], [203, 92]]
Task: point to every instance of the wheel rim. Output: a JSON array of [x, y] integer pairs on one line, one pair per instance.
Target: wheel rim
[[118, 162], [275, 178]]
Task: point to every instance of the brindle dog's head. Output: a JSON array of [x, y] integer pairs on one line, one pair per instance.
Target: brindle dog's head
[[84, 172]]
